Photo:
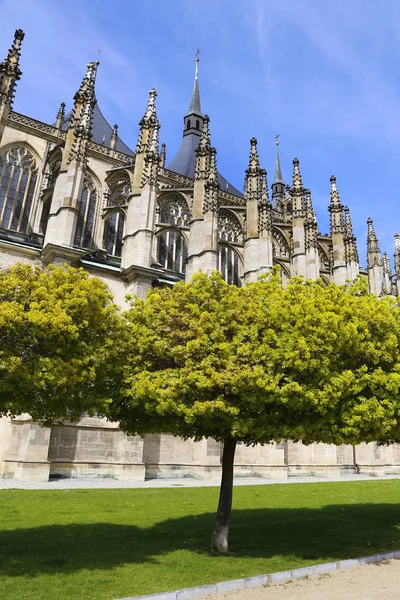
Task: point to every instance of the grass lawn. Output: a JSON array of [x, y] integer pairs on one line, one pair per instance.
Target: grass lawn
[[105, 544]]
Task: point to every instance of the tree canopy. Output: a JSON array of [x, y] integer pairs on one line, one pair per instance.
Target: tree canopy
[[260, 363], [57, 327]]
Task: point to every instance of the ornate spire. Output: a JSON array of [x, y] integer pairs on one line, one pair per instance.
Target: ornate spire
[[150, 170], [374, 252], [335, 201], [193, 120], [80, 124], [147, 122], [150, 114], [10, 72], [163, 156], [297, 179], [86, 92], [347, 222], [114, 137], [203, 150], [310, 223], [60, 118], [397, 254], [277, 173], [297, 191], [252, 182], [264, 187], [211, 185], [350, 239], [194, 106], [386, 264], [336, 209], [264, 207]]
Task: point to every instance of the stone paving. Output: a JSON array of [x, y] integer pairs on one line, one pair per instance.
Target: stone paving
[[99, 483]]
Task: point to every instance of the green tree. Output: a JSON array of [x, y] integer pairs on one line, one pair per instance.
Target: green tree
[[57, 329], [257, 364]]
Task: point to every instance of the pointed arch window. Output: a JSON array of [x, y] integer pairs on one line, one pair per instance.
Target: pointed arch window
[[18, 178], [86, 217], [229, 228], [172, 251], [229, 265], [113, 233], [173, 210]]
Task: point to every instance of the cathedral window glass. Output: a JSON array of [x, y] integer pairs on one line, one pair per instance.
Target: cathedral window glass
[[279, 245], [229, 265], [86, 217], [113, 233], [229, 228], [172, 248], [173, 210], [172, 251], [18, 177]]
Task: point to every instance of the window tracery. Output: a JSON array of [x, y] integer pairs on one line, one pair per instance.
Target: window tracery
[[173, 210], [323, 259], [280, 247], [229, 228], [113, 233], [172, 251], [229, 265], [18, 177], [86, 217], [119, 190]]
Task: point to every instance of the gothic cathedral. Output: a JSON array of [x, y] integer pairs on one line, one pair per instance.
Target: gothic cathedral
[[73, 192]]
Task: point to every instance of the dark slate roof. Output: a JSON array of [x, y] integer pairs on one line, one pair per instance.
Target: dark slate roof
[[101, 130], [184, 163]]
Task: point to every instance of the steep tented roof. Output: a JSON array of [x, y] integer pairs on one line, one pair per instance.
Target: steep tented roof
[[101, 131], [184, 163]]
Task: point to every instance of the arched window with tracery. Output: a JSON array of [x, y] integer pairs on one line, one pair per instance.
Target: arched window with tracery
[[116, 196], [229, 264], [229, 228], [172, 252], [173, 209], [86, 217], [18, 177], [280, 246], [114, 233]]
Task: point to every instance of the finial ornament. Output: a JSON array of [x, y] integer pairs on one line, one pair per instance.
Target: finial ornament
[[210, 203], [10, 72], [114, 137], [60, 118], [397, 255], [81, 117], [163, 155], [297, 179], [373, 250]]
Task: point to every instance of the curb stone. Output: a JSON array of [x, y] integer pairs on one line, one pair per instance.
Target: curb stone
[[264, 580]]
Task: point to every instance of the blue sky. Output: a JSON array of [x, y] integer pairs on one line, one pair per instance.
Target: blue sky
[[323, 74]]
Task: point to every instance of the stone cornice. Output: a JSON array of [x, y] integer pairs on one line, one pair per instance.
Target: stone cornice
[[53, 134]]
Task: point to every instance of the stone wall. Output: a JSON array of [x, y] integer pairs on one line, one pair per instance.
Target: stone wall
[[94, 448]]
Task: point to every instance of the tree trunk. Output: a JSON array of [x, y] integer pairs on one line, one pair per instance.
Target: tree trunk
[[219, 540]]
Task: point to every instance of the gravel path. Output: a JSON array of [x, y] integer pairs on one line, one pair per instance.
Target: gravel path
[[75, 484], [379, 581]]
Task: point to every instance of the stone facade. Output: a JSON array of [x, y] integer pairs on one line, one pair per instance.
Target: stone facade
[[73, 192]]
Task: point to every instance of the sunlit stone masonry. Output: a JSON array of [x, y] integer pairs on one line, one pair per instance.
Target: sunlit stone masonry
[[72, 191]]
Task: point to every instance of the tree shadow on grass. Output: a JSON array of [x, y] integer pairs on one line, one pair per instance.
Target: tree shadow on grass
[[330, 533]]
